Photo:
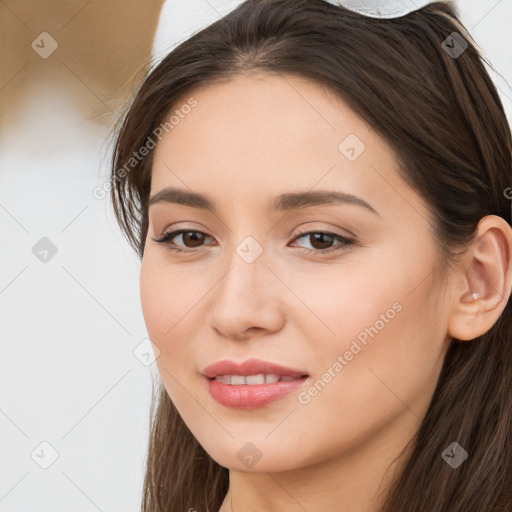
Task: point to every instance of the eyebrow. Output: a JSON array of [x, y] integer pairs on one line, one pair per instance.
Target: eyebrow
[[283, 202]]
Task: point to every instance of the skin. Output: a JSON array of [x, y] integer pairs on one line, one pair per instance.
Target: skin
[[247, 141]]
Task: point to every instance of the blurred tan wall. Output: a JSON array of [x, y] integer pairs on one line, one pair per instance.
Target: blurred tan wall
[[102, 46]]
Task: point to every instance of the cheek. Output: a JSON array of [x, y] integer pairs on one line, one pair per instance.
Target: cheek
[[164, 303], [174, 300], [167, 306], [167, 295], [390, 356], [377, 331]]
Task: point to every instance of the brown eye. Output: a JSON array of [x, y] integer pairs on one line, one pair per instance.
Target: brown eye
[[191, 239], [322, 242]]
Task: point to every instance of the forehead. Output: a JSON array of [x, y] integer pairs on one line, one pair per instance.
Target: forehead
[[262, 119], [268, 134]]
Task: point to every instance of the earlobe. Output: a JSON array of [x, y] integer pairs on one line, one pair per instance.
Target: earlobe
[[485, 287]]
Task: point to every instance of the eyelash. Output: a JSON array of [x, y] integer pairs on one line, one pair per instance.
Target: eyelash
[[346, 243]]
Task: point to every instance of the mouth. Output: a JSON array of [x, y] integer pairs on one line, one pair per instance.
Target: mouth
[[251, 371], [251, 384], [254, 380]]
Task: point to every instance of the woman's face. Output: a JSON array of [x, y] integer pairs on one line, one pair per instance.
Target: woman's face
[[362, 318]]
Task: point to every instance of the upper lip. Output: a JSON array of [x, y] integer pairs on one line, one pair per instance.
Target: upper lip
[[250, 367]]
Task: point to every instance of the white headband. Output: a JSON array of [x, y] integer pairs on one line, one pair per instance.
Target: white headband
[[382, 8]]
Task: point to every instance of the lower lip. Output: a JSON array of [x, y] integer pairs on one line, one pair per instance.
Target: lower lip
[[251, 396]]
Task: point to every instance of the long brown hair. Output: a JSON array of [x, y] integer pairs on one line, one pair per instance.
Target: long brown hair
[[442, 115]]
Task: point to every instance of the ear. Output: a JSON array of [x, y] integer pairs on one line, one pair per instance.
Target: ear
[[485, 283]]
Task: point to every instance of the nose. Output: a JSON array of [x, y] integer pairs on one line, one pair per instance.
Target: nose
[[247, 300]]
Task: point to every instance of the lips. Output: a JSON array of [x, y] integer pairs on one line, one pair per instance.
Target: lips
[[251, 384], [250, 367]]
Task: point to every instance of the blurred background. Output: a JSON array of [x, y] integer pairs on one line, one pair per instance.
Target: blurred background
[[76, 367]]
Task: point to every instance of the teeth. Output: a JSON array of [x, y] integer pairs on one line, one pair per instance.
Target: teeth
[[236, 380], [253, 379]]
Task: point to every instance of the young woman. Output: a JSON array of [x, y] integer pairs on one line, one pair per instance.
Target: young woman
[[321, 202]]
